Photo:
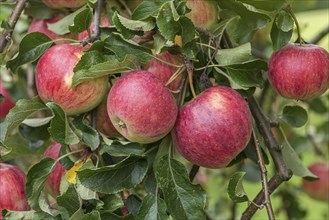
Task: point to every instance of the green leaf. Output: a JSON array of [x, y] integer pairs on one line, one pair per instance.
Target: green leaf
[[147, 9], [279, 36], [126, 33], [35, 180], [136, 25], [166, 23], [153, 207], [32, 46], [69, 203], [27, 215], [296, 116], [117, 149], [133, 203], [23, 109], [187, 30], [112, 179], [93, 215], [183, 199], [59, 128], [237, 55], [276, 5], [82, 21], [4, 150], [246, 79], [284, 21], [112, 202], [235, 188], [163, 150], [37, 122], [219, 28]]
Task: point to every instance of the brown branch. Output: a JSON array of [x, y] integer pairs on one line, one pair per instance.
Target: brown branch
[[193, 172], [321, 35], [6, 34], [189, 69]]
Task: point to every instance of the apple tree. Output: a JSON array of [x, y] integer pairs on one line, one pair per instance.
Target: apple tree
[[162, 109]]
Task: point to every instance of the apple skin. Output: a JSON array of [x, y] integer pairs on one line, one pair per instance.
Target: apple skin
[[299, 72], [204, 14], [319, 189], [104, 22], [54, 73], [213, 128], [12, 188], [164, 71], [53, 182], [64, 3], [7, 104], [141, 108]]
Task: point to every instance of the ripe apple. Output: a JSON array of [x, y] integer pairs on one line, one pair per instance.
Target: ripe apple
[[141, 108], [164, 71], [64, 3], [7, 103], [204, 14], [299, 71], [104, 22], [318, 189], [54, 179], [213, 128], [54, 73], [12, 188]]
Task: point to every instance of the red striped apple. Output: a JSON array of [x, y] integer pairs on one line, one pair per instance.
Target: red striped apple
[[299, 71], [141, 108], [54, 73], [204, 14], [213, 128], [7, 103], [64, 3]]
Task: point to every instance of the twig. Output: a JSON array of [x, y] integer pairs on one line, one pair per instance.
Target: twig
[[6, 34], [233, 211], [193, 172], [189, 69], [318, 37], [96, 30]]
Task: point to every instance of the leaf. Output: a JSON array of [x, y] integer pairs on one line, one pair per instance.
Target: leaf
[[166, 23], [112, 179], [264, 4], [279, 36], [35, 180], [23, 109], [136, 25], [90, 135], [152, 207], [147, 9], [296, 116], [133, 203], [187, 30], [37, 122], [93, 215], [183, 199], [219, 28], [237, 55], [235, 188], [59, 128], [32, 46], [163, 150], [82, 21], [112, 202], [284, 21], [246, 79], [27, 215], [117, 149], [69, 203], [125, 32]]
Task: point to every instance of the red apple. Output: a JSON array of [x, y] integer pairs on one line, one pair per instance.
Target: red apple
[[104, 22], [164, 71], [12, 189], [54, 179], [64, 3], [41, 26], [54, 73], [318, 189], [204, 14], [141, 108], [299, 72], [7, 103], [213, 128]]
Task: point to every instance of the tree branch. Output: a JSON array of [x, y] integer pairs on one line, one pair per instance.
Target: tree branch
[[193, 172], [6, 34], [318, 37]]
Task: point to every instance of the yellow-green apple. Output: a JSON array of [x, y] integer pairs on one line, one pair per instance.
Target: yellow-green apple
[[7, 103], [164, 71], [104, 22], [64, 3], [299, 71], [318, 189], [204, 14], [141, 108], [53, 182], [12, 188], [54, 73], [213, 128]]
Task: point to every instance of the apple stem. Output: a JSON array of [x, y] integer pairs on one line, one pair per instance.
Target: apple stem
[[189, 69], [291, 13]]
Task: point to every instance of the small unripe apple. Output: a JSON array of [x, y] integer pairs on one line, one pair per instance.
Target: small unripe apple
[[12, 189], [164, 71], [54, 73], [104, 22], [53, 182], [318, 189], [299, 71], [141, 108], [213, 128], [204, 14], [7, 103], [64, 3]]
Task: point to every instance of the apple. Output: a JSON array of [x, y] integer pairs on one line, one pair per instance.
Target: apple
[[54, 73], [12, 188], [299, 71], [41, 26], [204, 14], [7, 103], [141, 108], [103, 122], [103, 22], [64, 3], [213, 128], [318, 189], [53, 182], [164, 71]]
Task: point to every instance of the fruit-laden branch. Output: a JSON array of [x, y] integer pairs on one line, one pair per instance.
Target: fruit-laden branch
[[97, 19], [6, 34], [321, 35]]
